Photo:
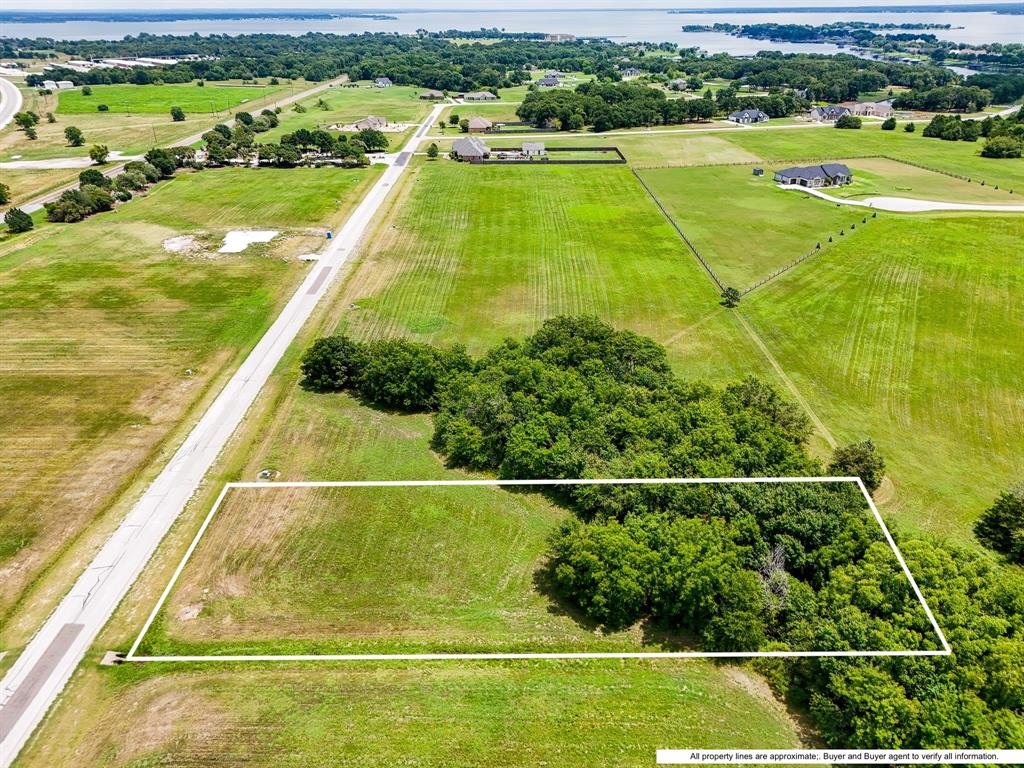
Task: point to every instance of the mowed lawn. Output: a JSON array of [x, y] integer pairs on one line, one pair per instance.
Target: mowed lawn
[[531, 714], [912, 334], [399, 104], [375, 570], [881, 176], [744, 225], [472, 255], [109, 339], [208, 98]]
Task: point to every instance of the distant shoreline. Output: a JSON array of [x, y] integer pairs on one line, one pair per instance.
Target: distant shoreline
[[63, 17], [1015, 9]]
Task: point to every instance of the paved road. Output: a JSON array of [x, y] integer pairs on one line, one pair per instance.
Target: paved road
[[40, 673], [10, 101], [113, 170]]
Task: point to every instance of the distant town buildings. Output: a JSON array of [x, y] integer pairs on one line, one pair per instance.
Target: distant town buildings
[[559, 37]]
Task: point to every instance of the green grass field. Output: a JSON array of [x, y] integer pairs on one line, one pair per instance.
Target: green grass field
[[399, 103], [880, 176], [375, 570], [475, 254], [912, 334], [744, 225], [100, 325], [570, 714], [190, 97]]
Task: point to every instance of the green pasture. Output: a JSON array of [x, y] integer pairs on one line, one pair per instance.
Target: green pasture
[[207, 99], [530, 714], [744, 225], [477, 253], [109, 339], [344, 105], [881, 176], [912, 334]]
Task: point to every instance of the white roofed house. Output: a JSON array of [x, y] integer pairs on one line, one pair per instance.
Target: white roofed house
[[534, 149], [64, 85], [382, 82]]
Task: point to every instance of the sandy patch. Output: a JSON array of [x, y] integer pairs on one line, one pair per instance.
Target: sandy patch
[[237, 240], [181, 244]]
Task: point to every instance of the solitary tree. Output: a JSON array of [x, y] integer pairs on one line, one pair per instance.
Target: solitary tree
[[177, 114], [50, 118], [98, 153], [74, 136], [859, 460], [18, 221], [730, 297], [464, 126], [30, 132], [453, 119], [5, 194], [432, 151], [1001, 526], [86, 90]]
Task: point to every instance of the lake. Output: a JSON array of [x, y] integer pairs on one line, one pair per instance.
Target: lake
[[622, 25]]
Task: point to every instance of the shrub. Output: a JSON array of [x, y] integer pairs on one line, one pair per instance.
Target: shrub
[[889, 124], [18, 221], [94, 177], [244, 118], [163, 160], [1002, 147], [859, 460], [5, 194], [102, 108], [177, 114], [1001, 526], [909, 128], [849, 122], [87, 90], [148, 171]]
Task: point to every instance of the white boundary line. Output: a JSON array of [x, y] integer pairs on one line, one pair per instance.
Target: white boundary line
[[131, 656]]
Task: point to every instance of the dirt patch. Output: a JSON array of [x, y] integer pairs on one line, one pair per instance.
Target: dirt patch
[[757, 688], [182, 244]]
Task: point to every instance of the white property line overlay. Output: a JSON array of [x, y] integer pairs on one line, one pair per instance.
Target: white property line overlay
[[131, 656]]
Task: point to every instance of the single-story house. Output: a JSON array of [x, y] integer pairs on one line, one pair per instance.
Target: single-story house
[[371, 122], [884, 108], [50, 85], [748, 116], [382, 82], [547, 82], [480, 96], [534, 149], [479, 124], [629, 72], [64, 85], [554, 73], [829, 113], [824, 175], [679, 84], [470, 148], [432, 94]]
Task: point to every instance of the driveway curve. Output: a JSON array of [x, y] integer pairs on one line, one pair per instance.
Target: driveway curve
[[907, 204]]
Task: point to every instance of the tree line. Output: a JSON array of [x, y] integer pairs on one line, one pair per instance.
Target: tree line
[[777, 566]]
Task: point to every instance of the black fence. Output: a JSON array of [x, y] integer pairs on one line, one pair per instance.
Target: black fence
[[618, 159]]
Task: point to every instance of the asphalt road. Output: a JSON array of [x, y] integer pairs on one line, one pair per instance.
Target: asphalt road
[[40, 673], [10, 101], [113, 170]]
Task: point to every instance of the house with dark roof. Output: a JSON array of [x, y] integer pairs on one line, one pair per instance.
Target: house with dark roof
[[814, 176], [748, 116], [547, 82], [629, 72], [470, 148], [829, 113], [382, 82]]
